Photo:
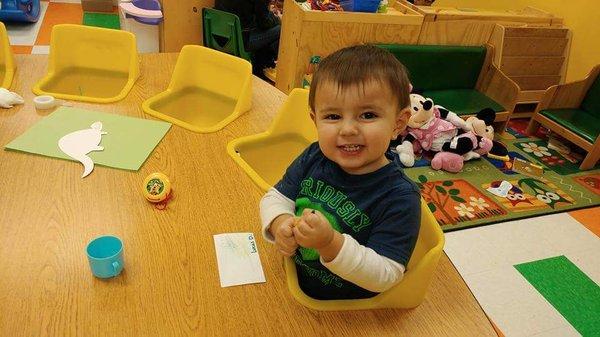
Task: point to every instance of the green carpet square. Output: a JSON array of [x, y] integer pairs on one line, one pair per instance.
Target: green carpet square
[[101, 20], [570, 291]]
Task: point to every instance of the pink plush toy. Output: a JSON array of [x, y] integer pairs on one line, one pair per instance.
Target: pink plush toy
[[436, 129]]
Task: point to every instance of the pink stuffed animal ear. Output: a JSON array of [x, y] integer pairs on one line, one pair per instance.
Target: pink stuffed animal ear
[[410, 87]]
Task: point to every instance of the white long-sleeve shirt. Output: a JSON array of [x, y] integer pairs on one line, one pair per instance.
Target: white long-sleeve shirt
[[355, 263]]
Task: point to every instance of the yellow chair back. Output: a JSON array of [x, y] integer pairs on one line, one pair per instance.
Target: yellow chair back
[[208, 90], [7, 63], [265, 156], [90, 64]]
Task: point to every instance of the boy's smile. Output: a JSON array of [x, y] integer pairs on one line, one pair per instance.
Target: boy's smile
[[350, 149], [355, 124]]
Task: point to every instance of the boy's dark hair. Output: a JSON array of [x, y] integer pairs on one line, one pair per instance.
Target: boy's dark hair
[[359, 64]]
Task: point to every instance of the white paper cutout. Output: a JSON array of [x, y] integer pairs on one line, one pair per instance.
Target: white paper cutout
[[502, 190], [9, 98], [78, 144]]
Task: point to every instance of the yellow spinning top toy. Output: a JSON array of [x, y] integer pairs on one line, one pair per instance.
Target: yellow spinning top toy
[[156, 188]]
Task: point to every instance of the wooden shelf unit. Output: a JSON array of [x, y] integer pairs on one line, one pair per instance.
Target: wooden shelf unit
[[305, 33], [471, 26], [534, 57]]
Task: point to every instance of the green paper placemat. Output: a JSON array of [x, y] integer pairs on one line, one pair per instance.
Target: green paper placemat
[[126, 146], [570, 291]]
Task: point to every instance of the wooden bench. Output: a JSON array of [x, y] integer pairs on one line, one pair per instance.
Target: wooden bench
[[462, 79], [573, 111]]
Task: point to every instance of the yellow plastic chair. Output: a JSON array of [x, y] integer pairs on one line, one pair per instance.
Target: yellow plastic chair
[[208, 90], [90, 64], [7, 63], [409, 293], [265, 156]]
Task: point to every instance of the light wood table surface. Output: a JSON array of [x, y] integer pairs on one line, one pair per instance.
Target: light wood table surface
[[170, 284]]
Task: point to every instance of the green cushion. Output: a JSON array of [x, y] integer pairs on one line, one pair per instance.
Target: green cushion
[[579, 121], [463, 101], [591, 102], [440, 67]]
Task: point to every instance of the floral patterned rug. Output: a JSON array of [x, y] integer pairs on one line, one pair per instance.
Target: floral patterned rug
[[465, 199]]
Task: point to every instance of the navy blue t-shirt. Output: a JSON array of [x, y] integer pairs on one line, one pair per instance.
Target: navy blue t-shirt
[[381, 210]]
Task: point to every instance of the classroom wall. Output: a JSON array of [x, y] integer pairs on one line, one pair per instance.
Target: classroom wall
[[581, 16]]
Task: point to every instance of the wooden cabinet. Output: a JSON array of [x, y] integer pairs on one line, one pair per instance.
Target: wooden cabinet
[[182, 23], [305, 33], [534, 57], [472, 26]]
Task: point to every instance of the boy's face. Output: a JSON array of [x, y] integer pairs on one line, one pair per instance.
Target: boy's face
[[355, 125]]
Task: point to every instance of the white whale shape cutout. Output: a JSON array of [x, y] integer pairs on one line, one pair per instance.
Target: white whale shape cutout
[[79, 143]]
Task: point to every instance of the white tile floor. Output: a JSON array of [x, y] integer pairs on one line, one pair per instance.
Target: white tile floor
[[25, 36], [485, 257], [40, 50]]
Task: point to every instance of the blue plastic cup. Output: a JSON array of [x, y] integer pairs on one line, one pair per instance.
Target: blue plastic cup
[[105, 254]]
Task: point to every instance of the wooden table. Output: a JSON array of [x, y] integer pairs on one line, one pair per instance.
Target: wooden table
[[170, 285]]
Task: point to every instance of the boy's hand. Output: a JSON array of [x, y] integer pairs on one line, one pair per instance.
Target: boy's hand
[[313, 230], [284, 238]]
